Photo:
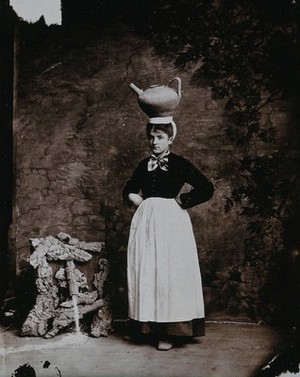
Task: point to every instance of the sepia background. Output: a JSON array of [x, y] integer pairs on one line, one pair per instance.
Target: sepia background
[[72, 132]]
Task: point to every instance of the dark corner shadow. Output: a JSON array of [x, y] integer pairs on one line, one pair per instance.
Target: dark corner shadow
[[287, 359]]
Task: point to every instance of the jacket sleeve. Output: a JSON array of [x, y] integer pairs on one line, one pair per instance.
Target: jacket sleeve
[[133, 185], [202, 189]]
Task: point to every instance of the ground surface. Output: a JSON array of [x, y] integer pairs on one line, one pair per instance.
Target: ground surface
[[227, 350]]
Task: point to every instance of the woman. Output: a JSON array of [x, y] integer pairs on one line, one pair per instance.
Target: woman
[[164, 282]]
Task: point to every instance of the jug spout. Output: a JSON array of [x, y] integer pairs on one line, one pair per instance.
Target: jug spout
[[136, 89]]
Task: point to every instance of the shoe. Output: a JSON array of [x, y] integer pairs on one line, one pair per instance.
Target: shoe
[[164, 345], [133, 338], [128, 338]]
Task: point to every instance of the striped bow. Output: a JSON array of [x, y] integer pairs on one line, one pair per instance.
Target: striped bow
[[161, 162]]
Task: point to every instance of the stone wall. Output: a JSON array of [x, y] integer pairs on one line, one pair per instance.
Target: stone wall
[[78, 135]]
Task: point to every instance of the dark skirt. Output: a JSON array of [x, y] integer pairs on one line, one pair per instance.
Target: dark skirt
[[193, 328]]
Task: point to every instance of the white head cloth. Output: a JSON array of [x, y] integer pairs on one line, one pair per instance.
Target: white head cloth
[[165, 120]]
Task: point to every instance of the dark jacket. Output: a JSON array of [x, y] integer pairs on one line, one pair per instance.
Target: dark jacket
[[167, 184]]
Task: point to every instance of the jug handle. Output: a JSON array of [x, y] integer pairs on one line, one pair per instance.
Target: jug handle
[[178, 79]]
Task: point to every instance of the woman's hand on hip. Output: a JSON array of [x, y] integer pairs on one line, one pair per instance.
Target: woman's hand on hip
[[136, 199]]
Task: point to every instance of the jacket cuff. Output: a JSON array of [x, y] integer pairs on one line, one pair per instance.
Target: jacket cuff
[[185, 199]]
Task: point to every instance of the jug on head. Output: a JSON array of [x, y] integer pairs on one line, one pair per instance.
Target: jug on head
[[158, 100]]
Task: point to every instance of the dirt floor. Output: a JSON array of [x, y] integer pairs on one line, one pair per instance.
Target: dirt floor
[[227, 350]]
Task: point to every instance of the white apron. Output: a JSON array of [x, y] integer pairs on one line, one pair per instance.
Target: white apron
[[164, 281]]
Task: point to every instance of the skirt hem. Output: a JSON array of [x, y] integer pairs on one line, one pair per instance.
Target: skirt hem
[[193, 328]]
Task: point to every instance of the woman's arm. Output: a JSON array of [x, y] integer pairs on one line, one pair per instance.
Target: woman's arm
[[132, 189], [202, 189]]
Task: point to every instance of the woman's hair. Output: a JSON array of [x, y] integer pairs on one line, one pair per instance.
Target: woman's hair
[[167, 128]]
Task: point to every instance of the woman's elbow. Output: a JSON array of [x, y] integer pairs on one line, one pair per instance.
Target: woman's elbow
[[210, 191]]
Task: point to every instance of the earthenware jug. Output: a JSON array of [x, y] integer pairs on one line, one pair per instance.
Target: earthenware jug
[[159, 100]]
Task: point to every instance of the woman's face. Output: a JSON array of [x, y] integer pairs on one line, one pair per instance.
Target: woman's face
[[159, 142]]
